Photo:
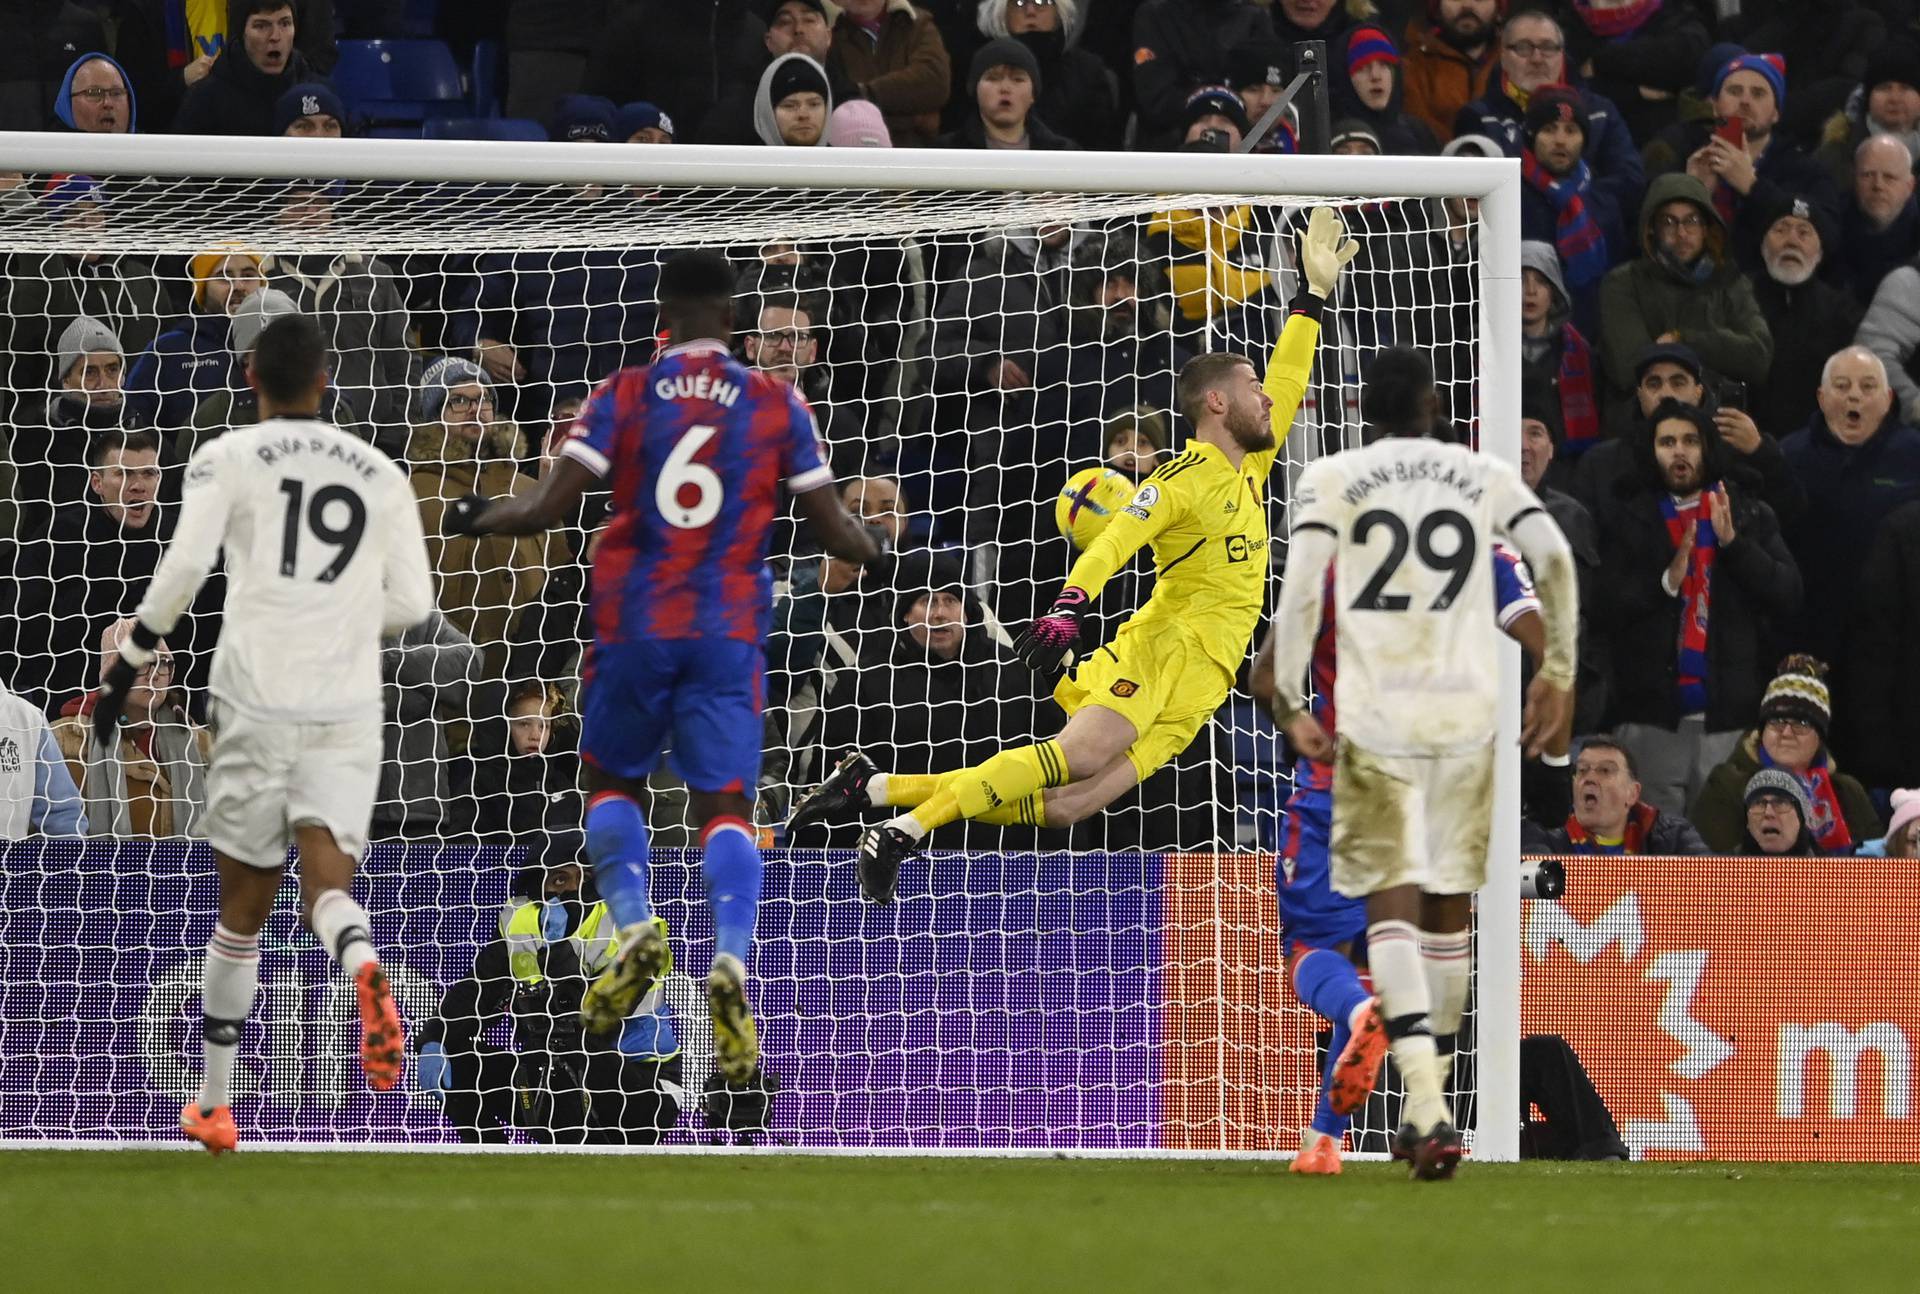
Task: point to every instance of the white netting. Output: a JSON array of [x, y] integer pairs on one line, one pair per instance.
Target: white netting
[[1115, 984]]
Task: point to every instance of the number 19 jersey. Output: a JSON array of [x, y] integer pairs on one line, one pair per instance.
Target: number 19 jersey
[[695, 447], [1415, 629]]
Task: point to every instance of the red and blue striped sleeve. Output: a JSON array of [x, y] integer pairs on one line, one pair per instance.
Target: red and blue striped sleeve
[[596, 428], [1513, 594], [803, 465]]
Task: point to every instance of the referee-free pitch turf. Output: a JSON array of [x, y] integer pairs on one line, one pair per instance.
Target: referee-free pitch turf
[[280, 1222]]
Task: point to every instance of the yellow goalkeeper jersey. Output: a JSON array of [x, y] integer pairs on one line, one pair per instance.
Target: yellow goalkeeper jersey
[[1207, 524]]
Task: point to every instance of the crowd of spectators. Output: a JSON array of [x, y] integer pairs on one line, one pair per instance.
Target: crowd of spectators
[[1721, 316]]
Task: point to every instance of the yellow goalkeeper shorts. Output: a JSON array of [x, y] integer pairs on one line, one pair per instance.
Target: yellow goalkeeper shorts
[[1160, 678]]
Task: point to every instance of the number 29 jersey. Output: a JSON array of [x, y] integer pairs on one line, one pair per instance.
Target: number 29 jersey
[[1416, 635], [695, 447]]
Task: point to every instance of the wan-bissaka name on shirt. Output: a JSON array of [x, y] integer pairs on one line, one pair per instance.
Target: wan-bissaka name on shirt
[[1421, 469], [698, 386]]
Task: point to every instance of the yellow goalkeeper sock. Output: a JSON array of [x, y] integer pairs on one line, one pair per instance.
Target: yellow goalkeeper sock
[[999, 784], [1030, 812], [906, 790]]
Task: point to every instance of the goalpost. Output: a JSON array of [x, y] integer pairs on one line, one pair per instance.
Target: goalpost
[[971, 328]]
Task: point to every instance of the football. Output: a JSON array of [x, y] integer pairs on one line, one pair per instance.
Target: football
[[1088, 501]]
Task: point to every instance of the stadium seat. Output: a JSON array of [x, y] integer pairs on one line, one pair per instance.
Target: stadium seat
[[484, 78], [398, 82], [514, 128]]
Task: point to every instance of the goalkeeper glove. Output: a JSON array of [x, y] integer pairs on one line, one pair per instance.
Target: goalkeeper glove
[[111, 701], [434, 1070], [1322, 253], [463, 515], [1047, 645]]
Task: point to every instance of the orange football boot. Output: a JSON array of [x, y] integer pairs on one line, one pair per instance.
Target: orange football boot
[[382, 1041], [214, 1131], [1357, 1072], [1322, 1159]]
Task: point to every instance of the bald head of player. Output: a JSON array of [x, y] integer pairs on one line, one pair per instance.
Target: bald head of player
[[1224, 399], [696, 296], [1397, 396], [287, 368]]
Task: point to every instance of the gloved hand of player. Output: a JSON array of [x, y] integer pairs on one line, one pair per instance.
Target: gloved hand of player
[[434, 1071], [463, 515], [1049, 641], [1325, 250], [137, 650]]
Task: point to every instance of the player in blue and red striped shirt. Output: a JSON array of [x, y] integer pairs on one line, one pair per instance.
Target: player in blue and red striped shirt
[[1323, 932], [695, 448]]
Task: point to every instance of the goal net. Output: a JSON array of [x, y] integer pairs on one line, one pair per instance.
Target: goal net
[[971, 332]]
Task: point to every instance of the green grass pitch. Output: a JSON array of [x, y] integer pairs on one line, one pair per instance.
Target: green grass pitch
[[288, 1223]]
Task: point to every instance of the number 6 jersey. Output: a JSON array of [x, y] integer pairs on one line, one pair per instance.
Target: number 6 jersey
[[695, 447], [1415, 522], [324, 557]]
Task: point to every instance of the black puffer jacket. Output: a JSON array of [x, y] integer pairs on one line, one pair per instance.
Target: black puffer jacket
[[237, 98], [1882, 700]]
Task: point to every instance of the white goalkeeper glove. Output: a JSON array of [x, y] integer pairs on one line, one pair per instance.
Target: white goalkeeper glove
[[1323, 254]]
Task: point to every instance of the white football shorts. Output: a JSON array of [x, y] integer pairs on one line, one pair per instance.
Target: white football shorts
[[1411, 820], [269, 776]]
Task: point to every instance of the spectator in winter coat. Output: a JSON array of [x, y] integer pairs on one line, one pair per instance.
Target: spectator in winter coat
[[1808, 316], [239, 406], [1638, 53], [793, 104], [1857, 460], [1835, 45], [459, 448], [1258, 71], [685, 56], [525, 763], [1077, 95], [1686, 288], [258, 65], [1532, 54], [1003, 84], [891, 53], [1880, 230], [1371, 91], [1881, 706], [1884, 101], [1180, 46], [793, 27], [96, 98], [1747, 183], [1609, 817], [170, 46], [1693, 576], [1560, 204], [1323, 20], [1776, 818], [43, 292], [432, 677], [1790, 737], [37, 794], [1118, 353], [1540, 439], [1556, 353], [50, 453], [153, 782], [1450, 55], [194, 359]]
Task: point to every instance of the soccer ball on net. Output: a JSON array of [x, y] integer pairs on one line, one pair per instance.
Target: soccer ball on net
[[1088, 501]]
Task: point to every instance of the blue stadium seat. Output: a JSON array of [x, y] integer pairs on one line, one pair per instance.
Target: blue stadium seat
[[395, 82], [514, 128], [484, 77]]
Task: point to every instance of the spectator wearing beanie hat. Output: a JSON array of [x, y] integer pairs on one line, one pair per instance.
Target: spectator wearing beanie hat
[[1370, 92], [1777, 814], [1790, 738], [1556, 352], [1886, 102], [1746, 182], [1214, 108], [1880, 229], [1076, 89], [1809, 317], [891, 52], [1560, 204], [50, 451], [581, 119], [1003, 83], [858, 124], [642, 123], [1638, 53], [310, 110], [1450, 54], [190, 361], [793, 104], [1258, 72], [1903, 829]]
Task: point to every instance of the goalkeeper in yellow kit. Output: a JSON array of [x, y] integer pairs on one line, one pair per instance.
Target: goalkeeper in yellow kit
[[1137, 702]]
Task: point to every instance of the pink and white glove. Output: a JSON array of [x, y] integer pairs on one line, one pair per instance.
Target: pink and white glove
[[1049, 641]]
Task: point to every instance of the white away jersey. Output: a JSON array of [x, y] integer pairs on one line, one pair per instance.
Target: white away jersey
[[1415, 522], [324, 555]]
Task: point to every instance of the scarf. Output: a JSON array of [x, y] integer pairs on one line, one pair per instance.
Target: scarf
[[1577, 236], [1696, 589], [1579, 413], [1618, 22], [1829, 825], [1640, 819]]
